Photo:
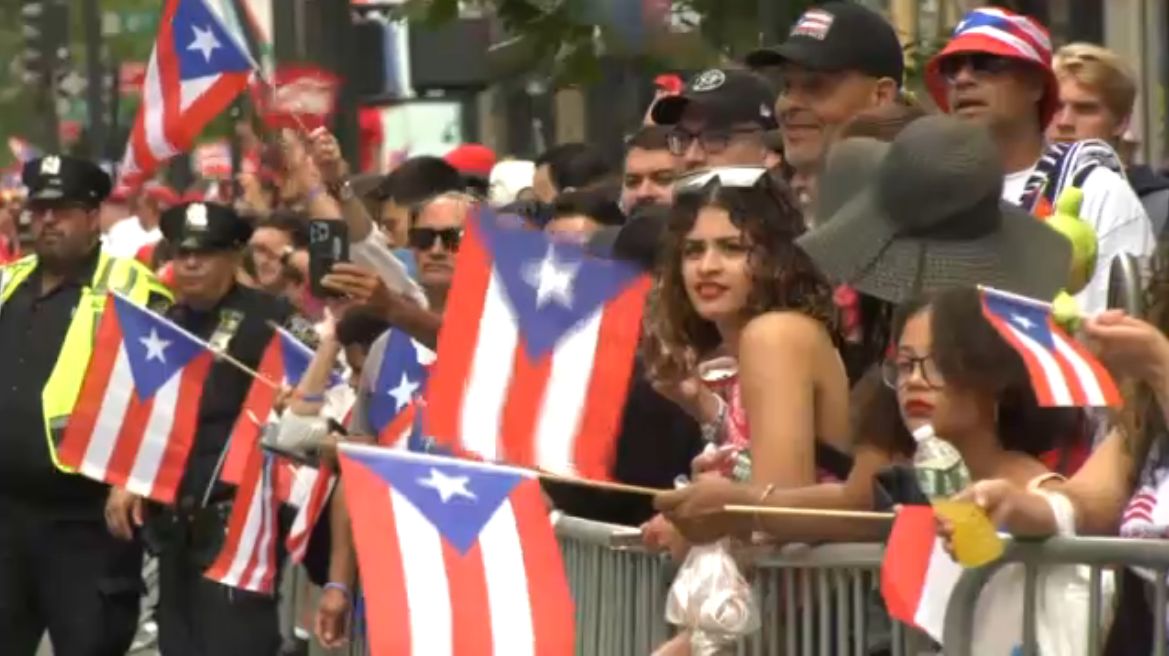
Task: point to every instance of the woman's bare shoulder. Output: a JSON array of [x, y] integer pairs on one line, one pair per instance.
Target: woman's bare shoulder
[[784, 330]]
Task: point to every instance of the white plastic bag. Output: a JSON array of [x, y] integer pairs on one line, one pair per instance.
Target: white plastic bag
[[711, 598]]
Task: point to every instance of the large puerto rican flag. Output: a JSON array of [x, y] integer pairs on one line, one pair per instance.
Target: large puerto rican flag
[[1062, 371], [456, 557], [536, 351], [196, 70], [135, 419]]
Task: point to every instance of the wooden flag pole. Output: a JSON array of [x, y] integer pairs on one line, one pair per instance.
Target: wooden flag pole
[[604, 485], [811, 512]]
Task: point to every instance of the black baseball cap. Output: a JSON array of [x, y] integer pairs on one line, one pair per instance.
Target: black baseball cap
[[204, 227], [839, 36], [65, 179], [726, 96]]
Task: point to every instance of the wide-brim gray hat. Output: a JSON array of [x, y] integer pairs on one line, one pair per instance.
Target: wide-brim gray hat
[[848, 169], [931, 217]]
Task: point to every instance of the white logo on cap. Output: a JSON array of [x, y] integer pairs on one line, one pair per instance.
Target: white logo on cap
[[815, 23], [708, 80], [51, 165], [764, 110], [197, 216]]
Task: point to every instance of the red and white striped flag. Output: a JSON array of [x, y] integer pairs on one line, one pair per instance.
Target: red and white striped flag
[[536, 351], [247, 559], [309, 493], [917, 575], [1063, 373], [135, 418]]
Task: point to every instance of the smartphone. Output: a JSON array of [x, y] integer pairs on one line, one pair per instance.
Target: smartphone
[[328, 244]]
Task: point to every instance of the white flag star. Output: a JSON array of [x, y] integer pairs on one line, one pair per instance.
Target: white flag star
[[155, 346], [1024, 322], [447, 486], [552, 278], [205, 42], [403, 392]]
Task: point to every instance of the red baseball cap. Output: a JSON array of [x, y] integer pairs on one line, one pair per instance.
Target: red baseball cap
[[472, 159]]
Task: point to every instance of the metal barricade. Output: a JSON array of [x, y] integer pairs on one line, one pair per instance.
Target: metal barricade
[[815, 601], [1098, 554]]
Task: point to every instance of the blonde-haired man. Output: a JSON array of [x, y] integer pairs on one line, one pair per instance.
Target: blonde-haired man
[[1097, 90], [1096, 94]]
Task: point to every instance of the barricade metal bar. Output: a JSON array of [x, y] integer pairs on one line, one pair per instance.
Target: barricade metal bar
[[1095, 600], [812, 600], [1030, 589], [1159, 613]]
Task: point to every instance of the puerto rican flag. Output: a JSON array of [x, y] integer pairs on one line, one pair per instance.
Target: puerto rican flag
[[398, 390], [247, 559], [135, 418], [1063, 372], [196, 70], [536, 351], [456, 557]]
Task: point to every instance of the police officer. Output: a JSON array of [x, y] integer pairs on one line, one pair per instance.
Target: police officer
[[197, 616], [61, 569]]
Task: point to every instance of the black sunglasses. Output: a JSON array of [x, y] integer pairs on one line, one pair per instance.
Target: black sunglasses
[[979, 63], [423, 238]]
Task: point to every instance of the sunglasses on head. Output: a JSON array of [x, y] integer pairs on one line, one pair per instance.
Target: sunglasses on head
[[979, 63], [743, 177], [423, 238]]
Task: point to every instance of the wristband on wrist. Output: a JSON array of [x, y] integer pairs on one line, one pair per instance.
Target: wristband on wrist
[[333, 585], [312, 398]]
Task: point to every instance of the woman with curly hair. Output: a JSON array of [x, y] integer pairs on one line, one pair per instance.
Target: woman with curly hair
[[733, 283]]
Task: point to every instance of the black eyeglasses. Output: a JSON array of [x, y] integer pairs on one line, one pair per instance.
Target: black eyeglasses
[[979, 63], [901, 368], [713, 141], [423, 238]]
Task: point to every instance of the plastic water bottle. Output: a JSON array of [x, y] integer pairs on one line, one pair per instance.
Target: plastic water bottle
[[938, 465]]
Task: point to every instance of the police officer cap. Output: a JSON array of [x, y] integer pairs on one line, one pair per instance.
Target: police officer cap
[[204, 227], [67, 179]]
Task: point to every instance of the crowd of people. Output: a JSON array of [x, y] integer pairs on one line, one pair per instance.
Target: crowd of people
[[816, 237]]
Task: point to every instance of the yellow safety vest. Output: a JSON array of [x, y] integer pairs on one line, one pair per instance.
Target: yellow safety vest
[[126, 276]]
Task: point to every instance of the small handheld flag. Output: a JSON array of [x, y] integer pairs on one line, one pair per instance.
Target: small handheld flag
[[197, 69], [1063, 373], [135, 419]]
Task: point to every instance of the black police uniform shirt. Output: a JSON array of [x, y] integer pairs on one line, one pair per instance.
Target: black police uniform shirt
[[32, 330], [246, 314]]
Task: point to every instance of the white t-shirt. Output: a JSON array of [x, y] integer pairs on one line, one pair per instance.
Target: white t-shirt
[[127, 236], [1113, 209]]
